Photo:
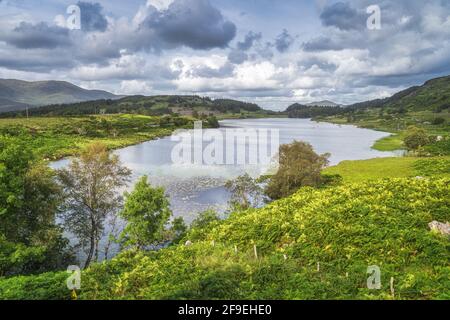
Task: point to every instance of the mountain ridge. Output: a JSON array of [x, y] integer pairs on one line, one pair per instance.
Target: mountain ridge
[[433, 94], [19, 94], [323, 103]]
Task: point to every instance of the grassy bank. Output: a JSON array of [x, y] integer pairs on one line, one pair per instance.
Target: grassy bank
[[381, 168], [396, 125], [316, 244], [56, 137]]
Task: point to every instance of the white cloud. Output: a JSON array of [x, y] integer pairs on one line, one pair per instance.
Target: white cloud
[[160, 4], [132, 87]]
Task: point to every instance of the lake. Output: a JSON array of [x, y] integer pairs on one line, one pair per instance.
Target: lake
[[195, 188]]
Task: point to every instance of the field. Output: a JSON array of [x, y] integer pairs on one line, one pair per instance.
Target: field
[[56, 137], [316, 244], [372, 119], [382, 168]]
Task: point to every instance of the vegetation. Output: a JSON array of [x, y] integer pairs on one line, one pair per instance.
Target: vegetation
[[245, 193], [56, 137], [316, 244], [149, 106], [30, 240], [19, 95], [402, 167], [426, 107], [299, 166], [91, 185], [147, 212], [305, 112], [416, 138]]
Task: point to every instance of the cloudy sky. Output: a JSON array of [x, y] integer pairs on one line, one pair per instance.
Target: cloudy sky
[[272, 52]]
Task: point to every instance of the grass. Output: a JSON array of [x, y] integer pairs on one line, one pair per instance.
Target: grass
[[392, 143], [53, 138], [342, 229], [363, 170]]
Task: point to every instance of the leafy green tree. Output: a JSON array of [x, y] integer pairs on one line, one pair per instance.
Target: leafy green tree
[[213, 122], [299, 166], [15, 160], [91, 186], [245, 192], [416, 138], [202, 224], [147, 212], [30, 240], [178, 230]]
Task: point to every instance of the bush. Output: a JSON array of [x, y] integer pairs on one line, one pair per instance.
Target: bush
[[416, 138], [47, 286], [438, 121], [299, 166], [345, 229]]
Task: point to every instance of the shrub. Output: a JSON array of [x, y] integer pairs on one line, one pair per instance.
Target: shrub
[[299, 166]]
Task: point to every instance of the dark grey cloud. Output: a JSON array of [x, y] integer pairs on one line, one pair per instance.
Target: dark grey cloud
[[39, 61], [192, 23], [249, 40], [237, 56], [322, 64], [322, 44], [342, 16], [92, 18], [284, 41], [41, 35], [206, 72]]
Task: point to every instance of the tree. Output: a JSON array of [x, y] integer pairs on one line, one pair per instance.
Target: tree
[[146, 211], [204, 222], [15, 161], [178, 230], [213, 122], [416, 138], [299, 166], [30, 240], [91, 185], [245, 192]]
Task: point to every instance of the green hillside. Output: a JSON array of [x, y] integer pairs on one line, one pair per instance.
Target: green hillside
[[433, 96], [17, 94], [151, 106], [426, 106], [316, 244]]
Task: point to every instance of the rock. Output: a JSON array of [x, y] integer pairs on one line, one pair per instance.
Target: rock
[[188, 243], [439, 227]]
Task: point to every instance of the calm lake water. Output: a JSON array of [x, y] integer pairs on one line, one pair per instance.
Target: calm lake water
[[196, 188]]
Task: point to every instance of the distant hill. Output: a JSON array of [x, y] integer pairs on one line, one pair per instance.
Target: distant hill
[[152, 105], [434, 95], [18, 94], [311, 111], [324, 103]]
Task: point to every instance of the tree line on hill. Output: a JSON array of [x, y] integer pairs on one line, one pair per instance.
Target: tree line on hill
[[152, 106]]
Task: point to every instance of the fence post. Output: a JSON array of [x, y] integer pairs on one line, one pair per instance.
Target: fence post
[[392, 287]]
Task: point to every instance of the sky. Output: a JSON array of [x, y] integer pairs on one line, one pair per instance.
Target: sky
[[271, 52]]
